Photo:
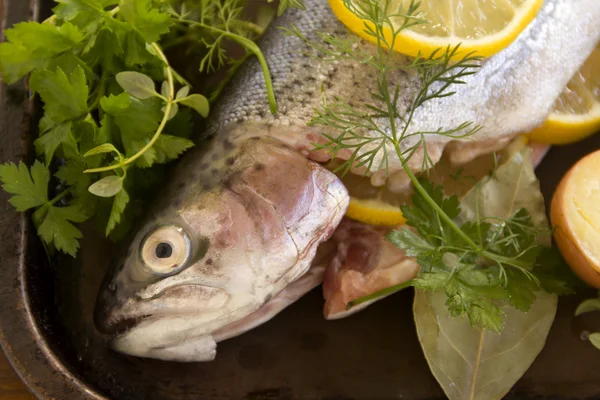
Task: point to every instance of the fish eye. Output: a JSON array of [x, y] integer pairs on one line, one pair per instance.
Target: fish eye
[[166, 250]]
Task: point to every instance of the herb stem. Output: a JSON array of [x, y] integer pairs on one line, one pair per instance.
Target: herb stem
[[432, 203], [379, 293], [258, 30], [162, 125], [50, 20], [58, 197], [252, 48], [41, 211]]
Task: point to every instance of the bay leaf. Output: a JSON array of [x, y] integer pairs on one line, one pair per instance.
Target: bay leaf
[[512, 187], [474, 364]]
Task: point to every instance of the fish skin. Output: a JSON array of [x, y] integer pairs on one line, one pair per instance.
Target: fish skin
[[512, 92], [175, 317], [251, 235]]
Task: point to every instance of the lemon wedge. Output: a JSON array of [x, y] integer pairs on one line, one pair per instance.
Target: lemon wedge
[[575, 214], [484, 27], [576, 113]]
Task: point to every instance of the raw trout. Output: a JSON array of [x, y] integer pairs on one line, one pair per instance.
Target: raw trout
[[231, 240]]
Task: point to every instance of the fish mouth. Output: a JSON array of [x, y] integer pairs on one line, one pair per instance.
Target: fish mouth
[[147, 339], [114, 317], [117, 327]]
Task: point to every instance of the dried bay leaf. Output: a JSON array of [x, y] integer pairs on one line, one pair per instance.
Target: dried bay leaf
[[475, 364], [512, 187], [472, 363]]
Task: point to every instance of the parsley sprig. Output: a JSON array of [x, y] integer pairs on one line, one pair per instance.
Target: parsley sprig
[[480, 262], [115, 108]]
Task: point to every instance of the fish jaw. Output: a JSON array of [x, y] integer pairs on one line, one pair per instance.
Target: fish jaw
[[141, 341], [250, 232]]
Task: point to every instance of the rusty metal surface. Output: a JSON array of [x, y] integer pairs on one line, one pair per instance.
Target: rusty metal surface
[[47, 333]]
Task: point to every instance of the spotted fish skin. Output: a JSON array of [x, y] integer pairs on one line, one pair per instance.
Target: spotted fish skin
[[250, 209], [511, 93]]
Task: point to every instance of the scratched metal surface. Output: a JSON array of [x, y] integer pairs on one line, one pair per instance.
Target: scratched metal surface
[[47, 333]]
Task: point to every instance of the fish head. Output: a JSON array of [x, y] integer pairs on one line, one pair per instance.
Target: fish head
[[210, 255]]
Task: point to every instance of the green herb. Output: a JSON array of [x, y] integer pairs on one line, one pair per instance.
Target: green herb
[[284, 4], [478, 260], [587, 306], [475, 364], [29, 189], [113, 103]]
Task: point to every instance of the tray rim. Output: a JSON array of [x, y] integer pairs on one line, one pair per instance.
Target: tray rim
[[21, 340], [26, 348]]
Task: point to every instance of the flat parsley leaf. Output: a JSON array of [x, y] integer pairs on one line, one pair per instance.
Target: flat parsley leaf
[[47, 143], [119, 203], [104, 49], [145, 19], [80, 60], [169, 147], [480, 258], [72, 174], [410, 242], [65, 97], [422, 216], [57, 227], [32, 45], [136, 120], [28, 190]]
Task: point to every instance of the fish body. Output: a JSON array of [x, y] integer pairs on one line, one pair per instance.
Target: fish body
[[241, 230]]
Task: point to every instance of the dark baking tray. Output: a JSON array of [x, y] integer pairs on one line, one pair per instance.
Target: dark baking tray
[[47, 333]]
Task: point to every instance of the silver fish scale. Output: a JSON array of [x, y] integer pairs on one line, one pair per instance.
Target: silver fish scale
[[512, 92], [297, 78]]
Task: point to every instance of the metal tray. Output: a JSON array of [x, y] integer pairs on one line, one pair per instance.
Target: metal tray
[[47, 332]]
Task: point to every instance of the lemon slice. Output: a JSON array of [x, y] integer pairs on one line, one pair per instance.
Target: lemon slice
[[485, 27], [369, 204], [575, 214], [375, 212], [576, 113], [380, 206]]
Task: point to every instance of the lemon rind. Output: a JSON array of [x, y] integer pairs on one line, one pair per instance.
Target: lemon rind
[[562, 128], [414, 44]]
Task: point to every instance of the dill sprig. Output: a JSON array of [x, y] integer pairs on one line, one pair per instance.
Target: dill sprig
[[212, 24], [478, 262], [370, 131]]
